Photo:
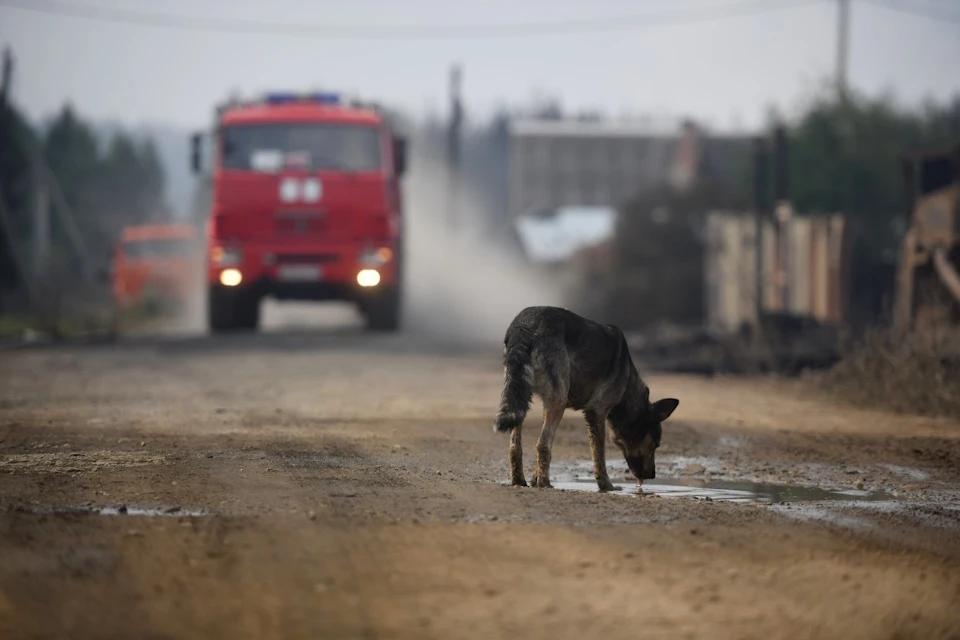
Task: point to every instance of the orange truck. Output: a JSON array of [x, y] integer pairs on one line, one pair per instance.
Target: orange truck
[[156, 262]]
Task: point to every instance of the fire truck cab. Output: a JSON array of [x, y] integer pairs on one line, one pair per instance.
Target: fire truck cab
[[306, 205]]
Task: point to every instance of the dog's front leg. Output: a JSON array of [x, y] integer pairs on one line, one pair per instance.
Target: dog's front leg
[[516, 459], [551, 420], [596, 425]]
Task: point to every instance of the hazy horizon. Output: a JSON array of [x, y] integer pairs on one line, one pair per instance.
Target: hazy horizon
[[726, 72]]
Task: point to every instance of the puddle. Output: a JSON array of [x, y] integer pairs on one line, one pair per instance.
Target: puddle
[[579, 477], [123, 510], [728, 491], [684, 480], [148, 511]]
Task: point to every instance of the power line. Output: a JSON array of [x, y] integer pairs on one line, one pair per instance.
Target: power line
[[916, 10], [407, 32]]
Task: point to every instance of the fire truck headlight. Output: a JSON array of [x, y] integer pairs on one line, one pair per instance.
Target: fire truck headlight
[[368, 278], [231, 277], [376, 257], [226, 256]]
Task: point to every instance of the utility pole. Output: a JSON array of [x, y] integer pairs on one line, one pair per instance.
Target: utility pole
[[782, 203], [453, 147], [843, 35], [761, 162], [781, 168]]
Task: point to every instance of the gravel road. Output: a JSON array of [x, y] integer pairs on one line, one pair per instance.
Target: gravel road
[[327, 483]]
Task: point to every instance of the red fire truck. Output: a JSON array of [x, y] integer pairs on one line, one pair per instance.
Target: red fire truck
[[306, 205]]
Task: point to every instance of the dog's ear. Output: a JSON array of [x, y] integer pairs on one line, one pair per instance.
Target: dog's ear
[[661, 409]]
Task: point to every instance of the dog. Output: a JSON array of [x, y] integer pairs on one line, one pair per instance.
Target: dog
[[572, 362]]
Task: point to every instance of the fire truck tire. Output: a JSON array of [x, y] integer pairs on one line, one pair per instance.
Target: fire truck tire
[[231, 310], [382, 311], [248, 316]]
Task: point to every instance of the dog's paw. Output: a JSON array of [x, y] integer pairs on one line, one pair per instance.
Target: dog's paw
[[607, 486], [540, 483], [519, 482]]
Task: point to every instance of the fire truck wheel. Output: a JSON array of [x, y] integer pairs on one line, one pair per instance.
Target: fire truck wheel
[[382, 311], [248, 316], [232, 310]]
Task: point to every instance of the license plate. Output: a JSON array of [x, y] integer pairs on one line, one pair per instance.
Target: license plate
[[299, 272]]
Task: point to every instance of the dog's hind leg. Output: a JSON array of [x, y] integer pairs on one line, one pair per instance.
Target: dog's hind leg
[[516, 458], [597, 427], [551, 420]]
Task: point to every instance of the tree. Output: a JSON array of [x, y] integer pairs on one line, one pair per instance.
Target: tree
[[844, 157], [71, 154], [132, 182], [16, 189], [105, 190]]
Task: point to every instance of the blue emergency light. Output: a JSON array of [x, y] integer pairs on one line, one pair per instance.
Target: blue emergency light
[[285, 98], [325, 98], [281, 98]]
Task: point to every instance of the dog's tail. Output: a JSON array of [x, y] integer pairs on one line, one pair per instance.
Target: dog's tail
[[517, 384]]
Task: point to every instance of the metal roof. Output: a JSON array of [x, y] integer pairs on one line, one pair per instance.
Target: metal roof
[[603, 128]]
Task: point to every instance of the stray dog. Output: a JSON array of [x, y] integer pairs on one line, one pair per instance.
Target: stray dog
[[575, 363]]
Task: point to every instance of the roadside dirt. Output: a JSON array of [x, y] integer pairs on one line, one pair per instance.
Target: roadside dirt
[[354, 489]]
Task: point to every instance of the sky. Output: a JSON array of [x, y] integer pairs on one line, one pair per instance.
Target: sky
[[726, 72]]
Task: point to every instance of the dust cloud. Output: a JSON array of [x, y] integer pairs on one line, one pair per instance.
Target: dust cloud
[[190, 317], [460, 284]]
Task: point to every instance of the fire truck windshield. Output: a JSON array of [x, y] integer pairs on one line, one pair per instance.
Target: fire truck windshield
[[309, 146]]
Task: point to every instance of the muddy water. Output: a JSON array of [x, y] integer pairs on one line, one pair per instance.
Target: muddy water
[[576, 477], [123, 510], [727, 491]]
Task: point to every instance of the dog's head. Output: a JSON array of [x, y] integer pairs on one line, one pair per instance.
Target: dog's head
[[639, 439]]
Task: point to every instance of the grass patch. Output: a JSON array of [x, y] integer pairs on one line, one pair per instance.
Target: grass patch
[[14, 326], [90, 321]]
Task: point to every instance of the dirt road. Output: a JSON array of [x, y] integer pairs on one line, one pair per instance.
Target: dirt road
[[336, 485]]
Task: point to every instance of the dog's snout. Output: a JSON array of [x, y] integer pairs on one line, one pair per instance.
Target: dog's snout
[[644, 474], [647, 469], [642, 469]]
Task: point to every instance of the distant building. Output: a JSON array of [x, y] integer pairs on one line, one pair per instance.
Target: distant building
[[557, 163]]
